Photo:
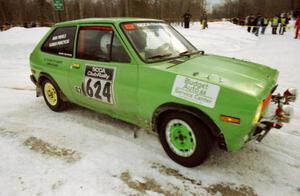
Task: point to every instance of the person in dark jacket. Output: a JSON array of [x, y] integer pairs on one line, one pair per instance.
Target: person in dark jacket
[[250, 23], [187, 18], [247, 22], [254, 24], [258, 23]]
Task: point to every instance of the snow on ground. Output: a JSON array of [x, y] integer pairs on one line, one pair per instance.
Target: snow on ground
[[80, 152]]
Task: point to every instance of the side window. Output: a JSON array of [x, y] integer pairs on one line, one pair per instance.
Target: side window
[[118, 52], [60, 42], [95, 43]]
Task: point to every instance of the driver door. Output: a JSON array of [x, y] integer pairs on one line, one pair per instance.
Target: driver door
[[102, 76]]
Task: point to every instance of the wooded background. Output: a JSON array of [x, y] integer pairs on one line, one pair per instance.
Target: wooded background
[[242, 8], [20, 11]]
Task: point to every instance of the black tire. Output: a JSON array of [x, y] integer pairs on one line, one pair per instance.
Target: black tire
[[60, 104], [201, 134]]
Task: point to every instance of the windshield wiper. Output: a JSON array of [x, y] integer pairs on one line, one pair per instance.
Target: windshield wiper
[[186, 53], [189, 53], [159, 56]]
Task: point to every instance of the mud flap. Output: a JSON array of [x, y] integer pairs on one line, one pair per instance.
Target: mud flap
[[38, 91]]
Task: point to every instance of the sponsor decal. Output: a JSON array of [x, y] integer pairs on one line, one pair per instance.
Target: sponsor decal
[[98, 83], [59, 43], [63, 36], [195, 91], [52, 62], [59, 40]]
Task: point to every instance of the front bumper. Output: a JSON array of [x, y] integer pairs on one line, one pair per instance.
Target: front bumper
[[279, 111]]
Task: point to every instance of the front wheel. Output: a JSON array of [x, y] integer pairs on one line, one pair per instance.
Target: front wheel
[[185, 139]]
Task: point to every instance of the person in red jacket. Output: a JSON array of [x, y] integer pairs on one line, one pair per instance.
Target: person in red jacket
[[297, 27]]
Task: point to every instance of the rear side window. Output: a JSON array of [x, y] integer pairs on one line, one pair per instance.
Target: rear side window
[[100, 43], [60, 42]]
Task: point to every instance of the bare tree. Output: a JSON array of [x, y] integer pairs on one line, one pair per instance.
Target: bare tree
[[42, 11]]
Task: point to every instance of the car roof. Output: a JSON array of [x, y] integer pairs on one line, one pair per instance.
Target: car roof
[[117, 20]]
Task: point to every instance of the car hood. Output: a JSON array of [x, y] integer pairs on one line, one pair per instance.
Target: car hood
[[250, 78]]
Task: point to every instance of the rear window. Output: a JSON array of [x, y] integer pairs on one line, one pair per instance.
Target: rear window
[[60, 42]]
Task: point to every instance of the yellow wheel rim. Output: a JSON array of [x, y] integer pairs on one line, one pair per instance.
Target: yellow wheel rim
[[50, 94]]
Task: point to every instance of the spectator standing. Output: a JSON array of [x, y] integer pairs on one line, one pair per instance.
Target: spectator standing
[[247, 23], [259, 21], [297, 27], [250, 23], [187, 18], [274, 24], [203, 21], [283, 23], [265, 23], [254, 24]]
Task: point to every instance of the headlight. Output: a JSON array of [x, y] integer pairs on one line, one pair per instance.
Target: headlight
[[257, 114]]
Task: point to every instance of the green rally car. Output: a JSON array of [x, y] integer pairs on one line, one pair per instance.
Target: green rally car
[[144, 72]]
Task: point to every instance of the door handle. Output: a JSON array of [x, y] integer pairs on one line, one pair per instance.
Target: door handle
[[75, 66]]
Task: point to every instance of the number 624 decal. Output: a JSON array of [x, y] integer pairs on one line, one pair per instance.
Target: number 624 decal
[[98, 83]]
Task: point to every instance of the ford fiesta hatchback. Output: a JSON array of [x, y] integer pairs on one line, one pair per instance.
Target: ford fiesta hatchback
[[144, 72]]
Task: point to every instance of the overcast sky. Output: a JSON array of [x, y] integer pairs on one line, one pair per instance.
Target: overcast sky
[[212, 2]]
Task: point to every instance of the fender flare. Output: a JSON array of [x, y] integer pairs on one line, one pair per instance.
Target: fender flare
[[43, 76], [169, 107]]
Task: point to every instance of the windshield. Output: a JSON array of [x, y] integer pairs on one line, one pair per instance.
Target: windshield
[[157, 41]]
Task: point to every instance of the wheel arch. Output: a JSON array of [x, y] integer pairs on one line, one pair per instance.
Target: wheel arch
[[163, 109], [45, 76]]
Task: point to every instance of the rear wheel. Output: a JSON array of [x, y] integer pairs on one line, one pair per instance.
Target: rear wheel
[[185, 139], [52, 96]]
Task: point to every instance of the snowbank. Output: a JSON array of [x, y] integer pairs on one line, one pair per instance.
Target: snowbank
[[219, 37]]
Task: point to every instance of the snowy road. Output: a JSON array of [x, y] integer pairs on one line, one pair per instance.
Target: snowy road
[[80, 152]]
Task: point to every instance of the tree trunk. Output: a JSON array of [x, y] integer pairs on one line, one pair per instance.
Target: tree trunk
[[2, 11], [161, 9], [81, 9], [126, 7]]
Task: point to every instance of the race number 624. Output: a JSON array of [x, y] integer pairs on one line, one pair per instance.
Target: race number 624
[[98, 89]]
